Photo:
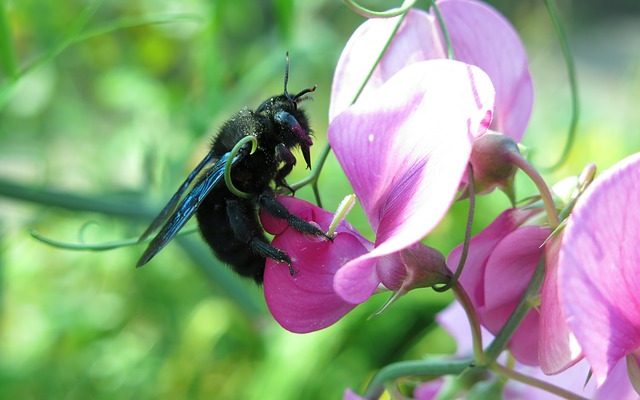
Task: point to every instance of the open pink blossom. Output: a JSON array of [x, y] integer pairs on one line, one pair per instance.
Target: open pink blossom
[[599, 269], [404, 149], [500, 264], [479, 35]]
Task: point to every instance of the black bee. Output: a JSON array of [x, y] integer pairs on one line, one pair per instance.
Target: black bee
[[229, 223]]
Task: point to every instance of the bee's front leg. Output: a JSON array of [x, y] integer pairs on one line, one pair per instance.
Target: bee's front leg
[[284, 155]]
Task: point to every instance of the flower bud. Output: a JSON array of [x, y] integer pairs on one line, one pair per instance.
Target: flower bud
[[417, 266], [491, 162]]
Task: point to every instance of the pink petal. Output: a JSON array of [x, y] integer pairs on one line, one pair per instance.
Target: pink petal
[[454, 320], [351, 395], [507, 275], [511, 265], [357, 280], [481, 247], [416, 40], [598, 277], [415, 133], [558, 349], [524, 342], [617, 386], [481, 36], [306, 301], [428, 390]]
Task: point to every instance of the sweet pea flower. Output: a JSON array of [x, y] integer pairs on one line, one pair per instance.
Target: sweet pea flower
[[405, 149], [598, 270], [501, 261]]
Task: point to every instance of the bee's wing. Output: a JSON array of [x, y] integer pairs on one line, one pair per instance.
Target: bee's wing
[[162, 217], [186, 208]]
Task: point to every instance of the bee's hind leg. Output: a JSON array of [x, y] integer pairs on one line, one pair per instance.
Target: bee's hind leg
[[247, 229]]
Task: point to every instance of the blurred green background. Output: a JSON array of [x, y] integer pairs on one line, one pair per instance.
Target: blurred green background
[[104, 108]]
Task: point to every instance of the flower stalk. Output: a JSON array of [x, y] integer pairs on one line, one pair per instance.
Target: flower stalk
[[552, 9], [474, 322], [531, 381], [545, 192]]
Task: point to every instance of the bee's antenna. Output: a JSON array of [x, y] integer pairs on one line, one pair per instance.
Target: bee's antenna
[[286, 74]]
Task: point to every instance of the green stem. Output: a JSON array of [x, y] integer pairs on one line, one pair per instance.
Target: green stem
[[540, 384], [230, 159], [467, 234], [76, 36], [128, 208], [7, 52], [105, 246], [218, 273], [552, 9], [502, 339], [411, 368], [71, 37], [367, 13], [445, 32], [474, 322], [545, 193]]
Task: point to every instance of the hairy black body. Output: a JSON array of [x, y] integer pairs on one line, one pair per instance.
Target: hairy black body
[[229, 223]]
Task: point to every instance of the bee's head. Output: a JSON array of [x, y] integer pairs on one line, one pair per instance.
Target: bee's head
[[291, 121]]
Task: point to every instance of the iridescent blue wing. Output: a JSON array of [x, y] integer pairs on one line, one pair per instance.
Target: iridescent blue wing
[[162, 217], [187, 207]]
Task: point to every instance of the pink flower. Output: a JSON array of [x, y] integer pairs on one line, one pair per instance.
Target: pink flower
[[404, 150], [307, 301], [599, 269], [501, 261]]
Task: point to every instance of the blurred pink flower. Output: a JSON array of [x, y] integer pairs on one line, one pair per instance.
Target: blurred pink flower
[[599, 269], [454, 321]]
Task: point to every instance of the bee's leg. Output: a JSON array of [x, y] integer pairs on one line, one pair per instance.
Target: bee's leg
[[247, 229], [284, 155], [270, 204]]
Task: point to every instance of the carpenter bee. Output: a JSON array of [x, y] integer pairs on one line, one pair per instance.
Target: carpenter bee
[[228, 222]]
